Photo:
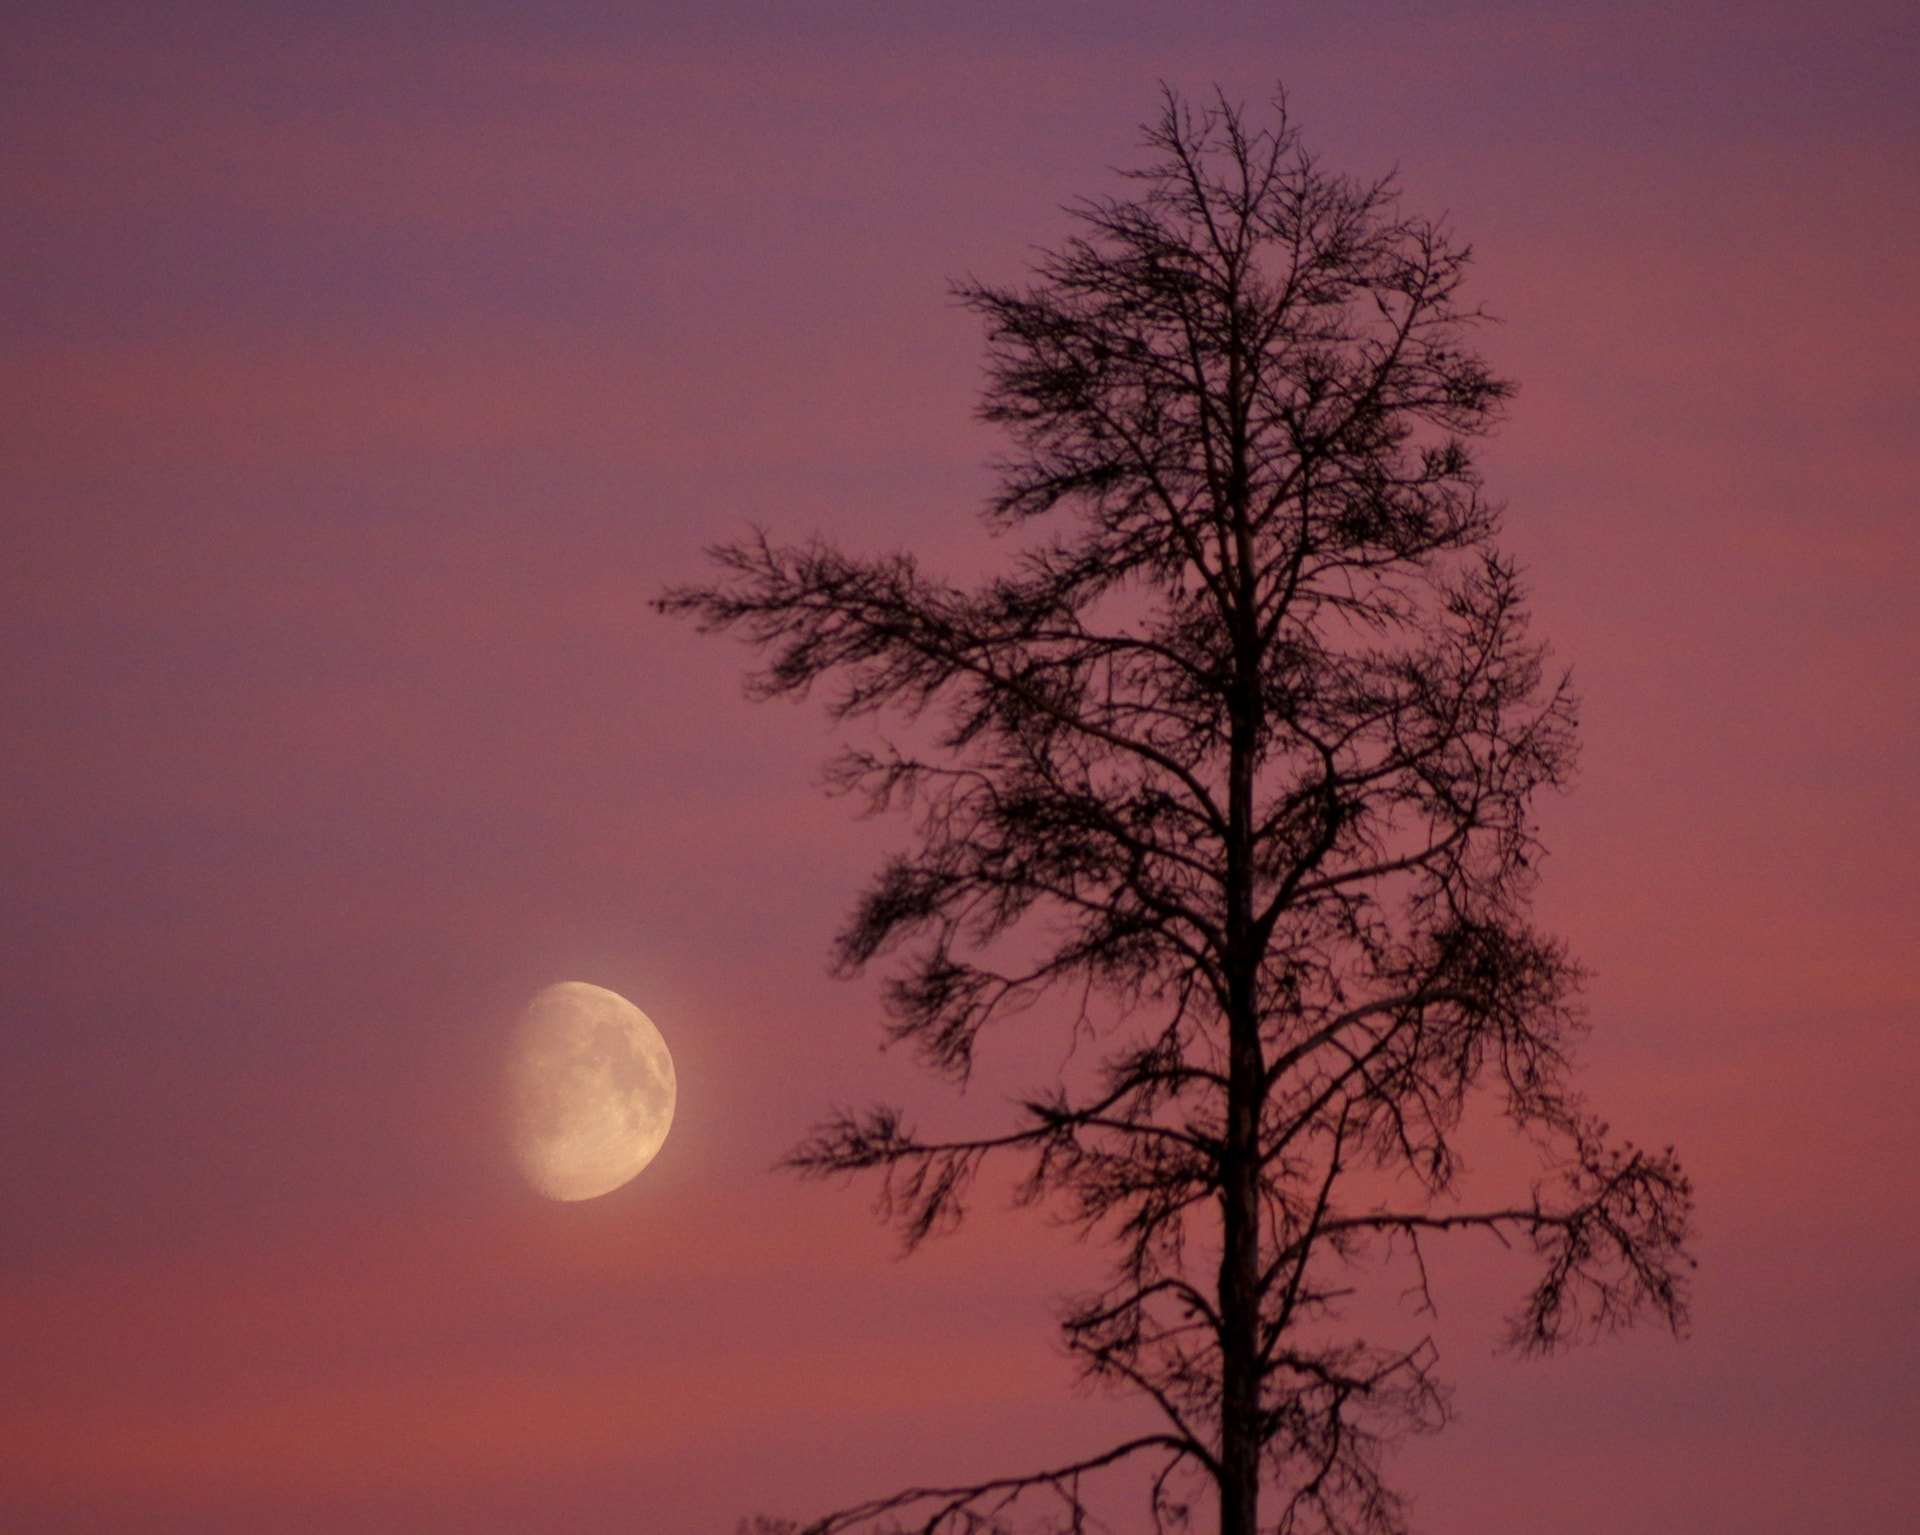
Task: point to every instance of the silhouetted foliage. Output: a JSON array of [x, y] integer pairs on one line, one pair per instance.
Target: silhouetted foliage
[[1245, 750]]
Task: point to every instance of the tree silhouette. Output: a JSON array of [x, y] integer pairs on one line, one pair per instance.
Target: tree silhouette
[[1244, 751]]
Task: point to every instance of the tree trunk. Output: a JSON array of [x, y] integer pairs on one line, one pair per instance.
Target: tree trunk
[[1240, 1171], [1240, 1436]]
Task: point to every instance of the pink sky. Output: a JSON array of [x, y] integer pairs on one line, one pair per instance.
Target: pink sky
[[366, 369]]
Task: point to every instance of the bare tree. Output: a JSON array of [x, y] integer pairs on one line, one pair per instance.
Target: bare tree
[[1245, 751]]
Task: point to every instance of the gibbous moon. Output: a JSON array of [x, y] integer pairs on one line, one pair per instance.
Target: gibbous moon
[[590, 1091]]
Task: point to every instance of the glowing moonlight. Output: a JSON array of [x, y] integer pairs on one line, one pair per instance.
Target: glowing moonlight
[[590, 1091]]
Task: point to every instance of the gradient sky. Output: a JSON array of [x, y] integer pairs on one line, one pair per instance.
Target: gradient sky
[[366, 368]]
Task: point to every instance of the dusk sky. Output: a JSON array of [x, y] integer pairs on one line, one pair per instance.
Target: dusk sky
[[367, 370]]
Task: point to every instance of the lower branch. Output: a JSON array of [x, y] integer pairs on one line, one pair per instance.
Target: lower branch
[[977, 1508]]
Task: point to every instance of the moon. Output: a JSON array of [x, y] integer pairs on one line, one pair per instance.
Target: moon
[[590, 1091]]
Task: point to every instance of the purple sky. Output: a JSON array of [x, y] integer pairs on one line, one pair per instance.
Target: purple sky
[[366, 370]]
